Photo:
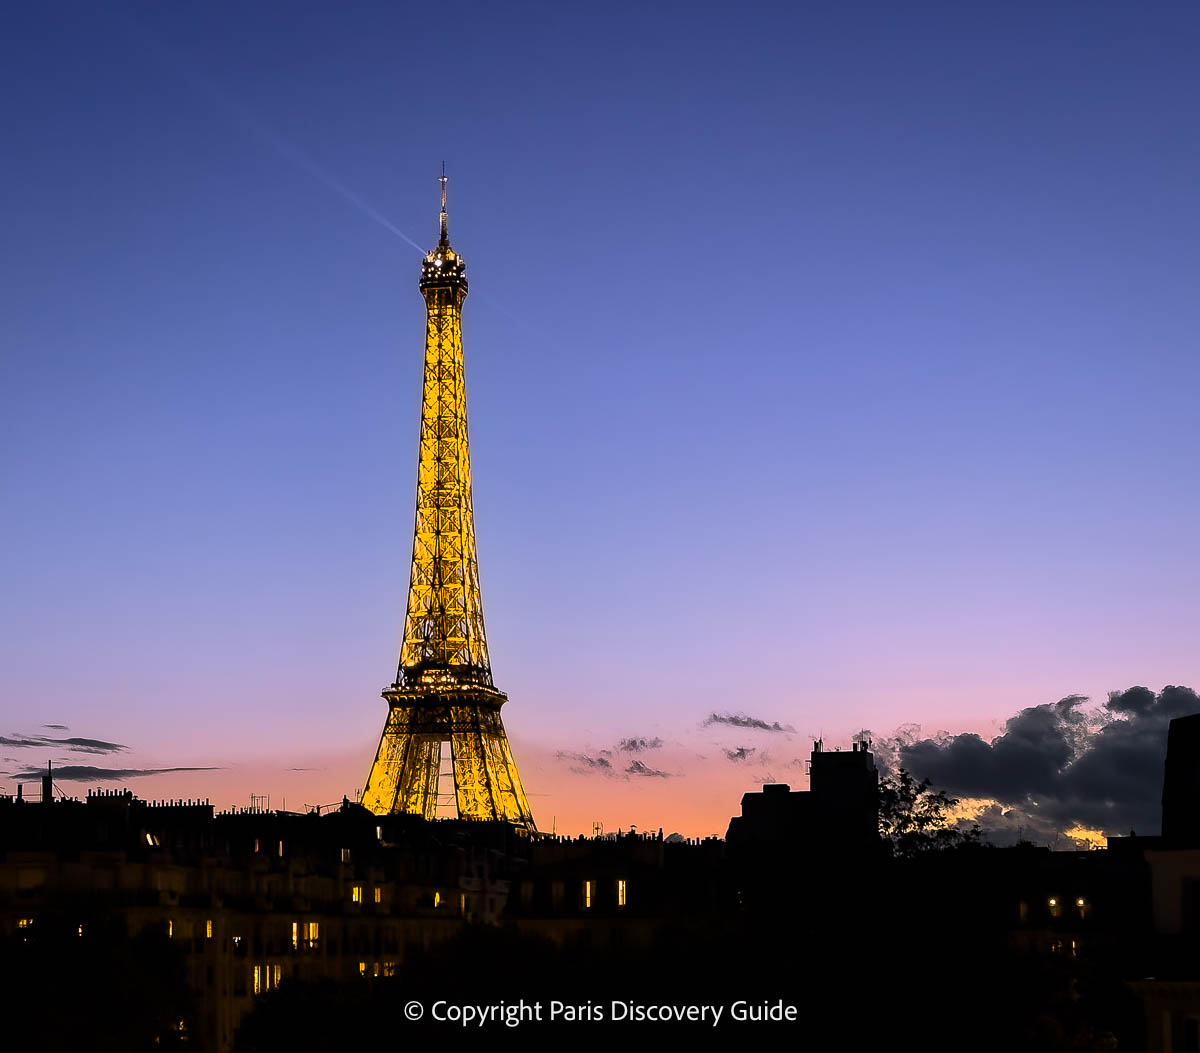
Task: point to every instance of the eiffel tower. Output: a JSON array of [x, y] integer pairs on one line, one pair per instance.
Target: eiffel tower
[[443, 720]]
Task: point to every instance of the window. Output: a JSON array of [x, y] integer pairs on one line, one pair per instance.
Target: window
[[378, 895], [620, 892], [275, 972], [362, 968], [258, 979], [208, 929], [587, 895], [295, 935], [280, 849], [170, 927], [356, 894], [81, 928], [24, 923], [256, 844], [345, 855], [437, 899]]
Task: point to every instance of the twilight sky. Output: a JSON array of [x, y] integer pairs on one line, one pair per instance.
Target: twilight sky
[[829, 364]]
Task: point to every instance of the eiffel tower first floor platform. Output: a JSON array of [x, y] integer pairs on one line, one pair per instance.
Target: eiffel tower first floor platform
[[408, 764]]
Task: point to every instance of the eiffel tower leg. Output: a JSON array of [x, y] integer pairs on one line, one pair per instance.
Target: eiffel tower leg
[[486, 782], [404, 777]]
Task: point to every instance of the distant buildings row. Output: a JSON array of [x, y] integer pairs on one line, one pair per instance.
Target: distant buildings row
[[255, 898]]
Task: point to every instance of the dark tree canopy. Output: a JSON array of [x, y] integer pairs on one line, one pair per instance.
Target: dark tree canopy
[[913, 817]]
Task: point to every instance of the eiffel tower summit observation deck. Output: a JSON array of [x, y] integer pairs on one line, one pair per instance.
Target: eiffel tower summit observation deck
[[444, 751]]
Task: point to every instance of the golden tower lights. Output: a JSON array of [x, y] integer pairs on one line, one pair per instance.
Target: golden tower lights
[[443, 695]]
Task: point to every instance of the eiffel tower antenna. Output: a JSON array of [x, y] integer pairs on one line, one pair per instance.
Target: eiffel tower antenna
[[443, 724]]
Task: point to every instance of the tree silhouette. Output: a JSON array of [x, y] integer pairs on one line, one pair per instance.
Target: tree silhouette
[[913, 818]]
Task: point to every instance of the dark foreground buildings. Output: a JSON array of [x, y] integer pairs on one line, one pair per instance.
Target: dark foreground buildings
[[130, 925]]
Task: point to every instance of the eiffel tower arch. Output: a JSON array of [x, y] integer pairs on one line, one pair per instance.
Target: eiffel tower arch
[[443, 725]]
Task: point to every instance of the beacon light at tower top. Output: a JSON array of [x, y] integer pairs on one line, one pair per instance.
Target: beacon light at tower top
[[443, 705]]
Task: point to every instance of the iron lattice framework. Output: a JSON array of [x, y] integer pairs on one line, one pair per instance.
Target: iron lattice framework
[[443, 694]]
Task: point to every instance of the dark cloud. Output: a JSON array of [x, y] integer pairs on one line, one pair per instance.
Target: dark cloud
[[582, 764], [638, 745], [638, 768], [740, 754], [740, 720], [91, 746], [86, 773], [20, 741], [57, 727], [75, 745], [1058, 765]]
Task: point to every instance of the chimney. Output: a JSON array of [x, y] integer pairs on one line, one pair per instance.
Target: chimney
[[47, 785]]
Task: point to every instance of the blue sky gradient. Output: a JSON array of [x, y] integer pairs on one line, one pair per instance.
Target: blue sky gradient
[[835, 363]]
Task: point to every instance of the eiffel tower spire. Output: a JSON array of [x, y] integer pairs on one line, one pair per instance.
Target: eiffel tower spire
[[443, 695]]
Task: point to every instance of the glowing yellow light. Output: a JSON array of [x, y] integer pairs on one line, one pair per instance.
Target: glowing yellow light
[[295, 935], [208, 929], [1053, 902], [356, 894], [362, 968], [170, 927], [621, 892], [258, 979], [378, 895], [437, 899], [1079, 902], [587, 894]]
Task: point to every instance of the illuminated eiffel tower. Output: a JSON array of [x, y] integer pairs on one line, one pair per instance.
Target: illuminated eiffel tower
[[443, 719]]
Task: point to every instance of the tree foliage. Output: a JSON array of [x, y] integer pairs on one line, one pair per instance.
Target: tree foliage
[[914, 818]]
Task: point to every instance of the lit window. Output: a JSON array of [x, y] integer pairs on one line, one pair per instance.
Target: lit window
[[208, 929], [276, 970], [170, 927], [295, 935], [345, 855], [376, 968], [258, 979], [81, 929], [462, 902], [437, 899], [621, 892], [587, 895], [379, 895], [314, 929], [256, 844], [389, 968], [281, 848], [356, 894], [24, 923], [362, 968]]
